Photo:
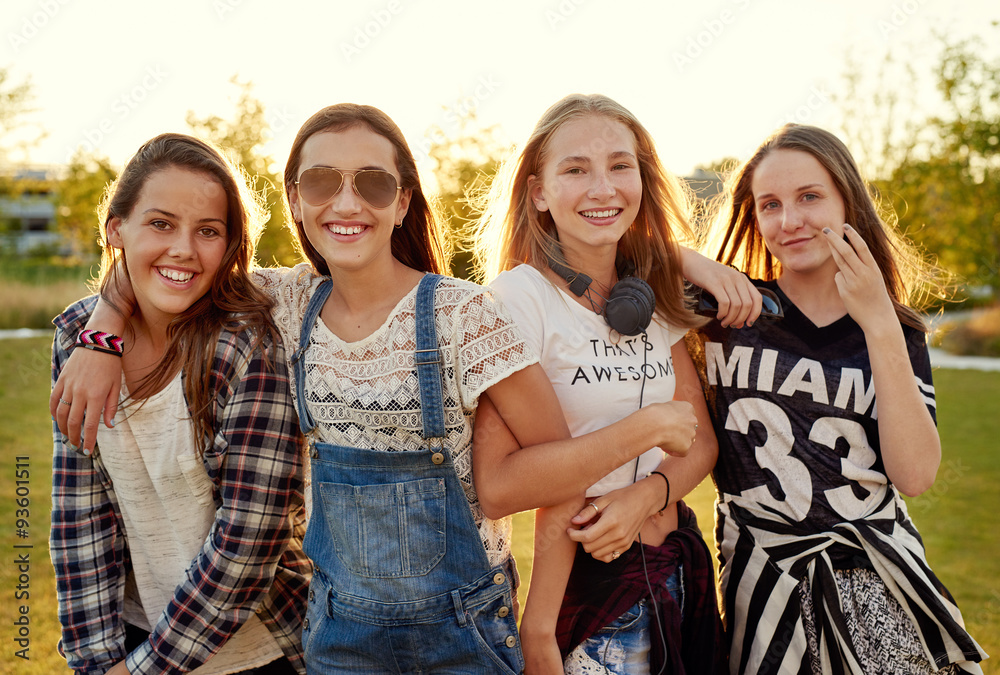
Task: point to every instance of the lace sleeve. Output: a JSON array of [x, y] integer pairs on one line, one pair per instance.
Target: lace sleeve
[[489, 345], [290, 288]]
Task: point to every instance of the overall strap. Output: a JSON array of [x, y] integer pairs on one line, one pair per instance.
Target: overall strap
[[428, 361], [306, 423]]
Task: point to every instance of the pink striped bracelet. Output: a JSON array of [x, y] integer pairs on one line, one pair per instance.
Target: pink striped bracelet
[[99, 341]]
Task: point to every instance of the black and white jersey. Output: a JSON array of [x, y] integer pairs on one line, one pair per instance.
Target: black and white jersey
[[796, 415], [802, 490]]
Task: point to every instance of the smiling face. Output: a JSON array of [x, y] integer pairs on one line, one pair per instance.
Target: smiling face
[[345, 230], [794, 199], [590, 183], [173, 241]]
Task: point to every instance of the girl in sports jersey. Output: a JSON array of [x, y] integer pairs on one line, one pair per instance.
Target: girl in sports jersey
[[823, 418], [177, 546], [573, 227], [412, 565]]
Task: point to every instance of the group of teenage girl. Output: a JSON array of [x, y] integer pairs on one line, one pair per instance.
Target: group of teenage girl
[[203, 408]]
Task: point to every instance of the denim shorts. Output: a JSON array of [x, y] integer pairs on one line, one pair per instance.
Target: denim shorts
[[622, 647]]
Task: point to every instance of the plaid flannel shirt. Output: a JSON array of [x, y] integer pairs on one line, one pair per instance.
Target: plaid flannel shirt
[[252, 559]]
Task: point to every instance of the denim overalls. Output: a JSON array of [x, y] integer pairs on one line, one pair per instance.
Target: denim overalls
[[401, 580]]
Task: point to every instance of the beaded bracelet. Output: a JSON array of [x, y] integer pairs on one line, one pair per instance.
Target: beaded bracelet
[[99, 341], [667, 502]]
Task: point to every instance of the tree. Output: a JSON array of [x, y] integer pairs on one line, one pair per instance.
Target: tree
[[15, 105], [80, 192], [242, 138], [17, 135], [949, 199], [464, 165], [939, 171]]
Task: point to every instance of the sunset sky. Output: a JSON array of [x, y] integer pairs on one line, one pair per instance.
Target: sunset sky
[[709, 79]]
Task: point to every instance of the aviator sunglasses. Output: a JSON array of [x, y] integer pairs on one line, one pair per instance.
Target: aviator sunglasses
[[319, 185], [770, 307]]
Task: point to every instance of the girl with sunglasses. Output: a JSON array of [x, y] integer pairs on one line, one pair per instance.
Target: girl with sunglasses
[[572, 229], [389, 360], [178, 546], [823, 419]]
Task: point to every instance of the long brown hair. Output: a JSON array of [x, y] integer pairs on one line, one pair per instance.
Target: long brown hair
[[735, 238], [418, 242], [233, 302], [512, 231]]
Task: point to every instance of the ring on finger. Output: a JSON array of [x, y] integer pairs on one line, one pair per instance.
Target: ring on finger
[[596, 508], [64, 402], [615, 555]]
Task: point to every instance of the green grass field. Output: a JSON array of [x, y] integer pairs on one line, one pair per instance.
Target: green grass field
[[35, 291], [957, 517]]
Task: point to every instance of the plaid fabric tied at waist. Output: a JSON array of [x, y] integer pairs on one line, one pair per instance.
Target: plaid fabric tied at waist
[[599, 592]]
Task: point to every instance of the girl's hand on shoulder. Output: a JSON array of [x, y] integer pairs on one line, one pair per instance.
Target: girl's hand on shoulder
[[859, 280], [739, 301], [89, 383]]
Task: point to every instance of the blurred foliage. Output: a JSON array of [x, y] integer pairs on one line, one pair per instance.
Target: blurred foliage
[[940, 170], [977, 336], [17, 131], [80, 192], [465, 161], [242, 137]]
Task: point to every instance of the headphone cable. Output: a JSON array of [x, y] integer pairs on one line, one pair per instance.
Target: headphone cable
[[642, 552]]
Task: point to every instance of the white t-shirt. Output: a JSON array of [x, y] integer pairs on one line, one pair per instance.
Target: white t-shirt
[[167, 509], [365, 393], [598, 380]]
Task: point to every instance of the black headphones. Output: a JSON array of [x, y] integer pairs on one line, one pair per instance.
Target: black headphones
[[630, 305]]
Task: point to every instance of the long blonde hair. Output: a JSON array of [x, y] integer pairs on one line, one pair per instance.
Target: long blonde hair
[[734, 238], [512, 231]]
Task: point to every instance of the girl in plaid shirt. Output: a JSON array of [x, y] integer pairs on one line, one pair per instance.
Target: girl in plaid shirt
[[412, 566], [177, 542]]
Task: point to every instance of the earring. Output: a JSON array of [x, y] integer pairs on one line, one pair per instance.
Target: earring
[[398, 225]]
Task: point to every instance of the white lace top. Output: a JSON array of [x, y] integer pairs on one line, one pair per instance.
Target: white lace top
[[365, 393]]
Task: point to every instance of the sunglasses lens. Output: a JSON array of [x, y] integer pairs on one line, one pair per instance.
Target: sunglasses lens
[[378, 188], [770, 307], [316, 186], [708, 303]]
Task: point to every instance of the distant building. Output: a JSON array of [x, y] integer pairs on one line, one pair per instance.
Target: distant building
[[28, 212], [705, 186]]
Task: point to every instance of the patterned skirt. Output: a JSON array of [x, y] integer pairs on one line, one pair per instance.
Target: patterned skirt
[[885, 639]]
